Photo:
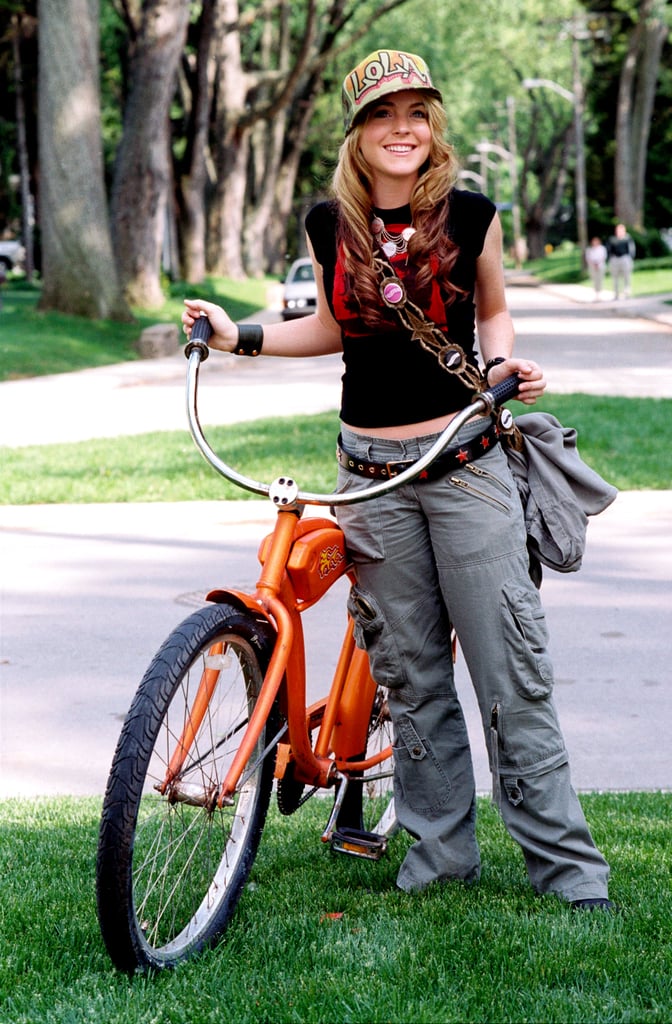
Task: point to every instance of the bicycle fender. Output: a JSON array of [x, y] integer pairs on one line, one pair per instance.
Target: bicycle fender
[[240, 600]]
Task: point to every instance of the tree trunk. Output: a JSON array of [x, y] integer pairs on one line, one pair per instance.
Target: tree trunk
[[142, 178], [194, 181], [225, 221], [79, 274], [636, 96], [27, 206], [276, 229], [535, 234], [293, 41], [653, 39], [280, 135], [232, 148], [546, 166], [269, 138]]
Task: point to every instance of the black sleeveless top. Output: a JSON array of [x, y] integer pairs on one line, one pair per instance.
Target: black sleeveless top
[[389, 378]]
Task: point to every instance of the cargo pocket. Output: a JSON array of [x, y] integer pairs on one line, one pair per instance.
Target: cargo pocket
[[374, 635], [420, 782], [525, 742], [526, 636]]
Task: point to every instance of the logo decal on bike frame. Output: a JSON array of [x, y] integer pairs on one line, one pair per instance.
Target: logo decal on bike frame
[[330, 559]]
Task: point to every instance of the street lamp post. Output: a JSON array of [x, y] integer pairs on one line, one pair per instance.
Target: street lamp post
[[576, 98], [515, 208], [509, 155], [465, 175], [485, 165]]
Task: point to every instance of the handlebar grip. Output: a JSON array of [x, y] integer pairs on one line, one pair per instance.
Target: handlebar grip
[[505, 390], [202, 329], [200, 335]]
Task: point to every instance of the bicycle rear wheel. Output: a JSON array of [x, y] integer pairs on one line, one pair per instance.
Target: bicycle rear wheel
[[171, 865], [378, 813]]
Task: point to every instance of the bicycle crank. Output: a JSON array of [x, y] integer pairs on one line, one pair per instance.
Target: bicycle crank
[[358, 843]]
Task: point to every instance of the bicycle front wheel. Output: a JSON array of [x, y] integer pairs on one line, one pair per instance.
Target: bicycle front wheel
[[171, 864]]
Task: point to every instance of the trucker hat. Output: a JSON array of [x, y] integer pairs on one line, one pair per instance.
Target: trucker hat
[[381, 73]]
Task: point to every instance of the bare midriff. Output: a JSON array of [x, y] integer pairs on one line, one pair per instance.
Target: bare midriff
[[406, 430]]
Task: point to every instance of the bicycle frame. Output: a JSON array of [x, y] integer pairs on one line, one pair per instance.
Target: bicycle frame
[[300, 560]]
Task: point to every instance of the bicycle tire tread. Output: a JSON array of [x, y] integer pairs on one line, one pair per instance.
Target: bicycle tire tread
[[127, 775]]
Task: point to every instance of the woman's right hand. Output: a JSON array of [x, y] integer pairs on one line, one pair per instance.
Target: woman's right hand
[[224, 331]]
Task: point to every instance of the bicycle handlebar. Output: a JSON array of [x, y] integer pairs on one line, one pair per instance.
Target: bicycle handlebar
[[284, 492], [200, 336]]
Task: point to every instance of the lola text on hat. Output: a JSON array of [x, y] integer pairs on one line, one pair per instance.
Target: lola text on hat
[[381, 73]]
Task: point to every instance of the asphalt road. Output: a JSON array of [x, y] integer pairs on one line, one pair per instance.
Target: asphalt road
[[597, 348], [89, 592]]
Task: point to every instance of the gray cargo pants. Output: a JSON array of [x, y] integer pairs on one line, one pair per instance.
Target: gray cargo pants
[[453, 551]]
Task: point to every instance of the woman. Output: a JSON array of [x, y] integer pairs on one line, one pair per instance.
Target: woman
[[596, 261], [450, 549]]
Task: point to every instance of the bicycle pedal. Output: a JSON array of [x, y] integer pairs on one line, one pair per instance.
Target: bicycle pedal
[[357, 843]]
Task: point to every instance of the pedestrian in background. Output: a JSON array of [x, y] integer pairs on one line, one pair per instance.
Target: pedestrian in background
[[596, 261], [621, 250]]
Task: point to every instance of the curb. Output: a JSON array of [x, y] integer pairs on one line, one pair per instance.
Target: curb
[[656, 307]]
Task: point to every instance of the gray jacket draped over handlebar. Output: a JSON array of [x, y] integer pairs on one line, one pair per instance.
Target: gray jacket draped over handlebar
[[557, 489]]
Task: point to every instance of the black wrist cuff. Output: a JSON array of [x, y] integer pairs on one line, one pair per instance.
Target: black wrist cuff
[[250, 340], [493, 362]]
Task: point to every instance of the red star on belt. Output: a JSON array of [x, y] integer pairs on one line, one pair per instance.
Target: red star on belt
[[462, 455], [485, 442], [424, 475]]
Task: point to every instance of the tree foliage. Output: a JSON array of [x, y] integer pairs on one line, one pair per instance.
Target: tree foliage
[[213, 124]]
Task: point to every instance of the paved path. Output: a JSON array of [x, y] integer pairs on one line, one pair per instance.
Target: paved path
[[598, 348], [89, 592]]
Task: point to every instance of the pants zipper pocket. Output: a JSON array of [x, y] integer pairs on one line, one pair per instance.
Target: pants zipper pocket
[[476, 470], [477, 493]]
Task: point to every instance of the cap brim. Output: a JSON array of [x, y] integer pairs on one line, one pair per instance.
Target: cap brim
[[359, 115]]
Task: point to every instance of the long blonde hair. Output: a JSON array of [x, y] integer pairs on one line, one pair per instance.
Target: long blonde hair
[[352, 187]]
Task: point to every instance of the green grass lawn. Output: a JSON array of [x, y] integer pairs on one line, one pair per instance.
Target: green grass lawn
[[34, 343], [323, 939], [650, 277], [620, 438]]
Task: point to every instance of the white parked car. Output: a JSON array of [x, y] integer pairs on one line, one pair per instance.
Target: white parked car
[[11, 254], [299, 295]]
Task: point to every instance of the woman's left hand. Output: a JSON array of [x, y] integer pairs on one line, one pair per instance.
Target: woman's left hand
[[532, 380]]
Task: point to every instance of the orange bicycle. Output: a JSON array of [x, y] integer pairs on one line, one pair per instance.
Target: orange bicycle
[[221, 713]]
